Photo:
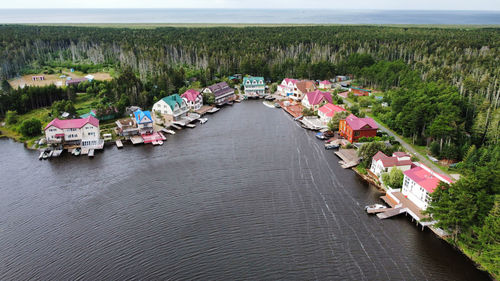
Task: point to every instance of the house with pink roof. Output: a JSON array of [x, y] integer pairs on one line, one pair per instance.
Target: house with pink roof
[[83, 132], [382, 163], [193, 99], [287, 87], [313, 100], [353, 128], [325, 84], [420, 182], [327, 111]]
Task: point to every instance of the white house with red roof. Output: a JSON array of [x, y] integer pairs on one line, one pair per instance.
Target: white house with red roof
[[193, 99], [382, 163], [325, 84], [420, 182], [313, 100], [327, 111], [82, 132], [287, 87]]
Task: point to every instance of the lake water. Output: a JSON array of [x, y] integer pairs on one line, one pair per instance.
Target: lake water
[[248, 195], [247, 16]]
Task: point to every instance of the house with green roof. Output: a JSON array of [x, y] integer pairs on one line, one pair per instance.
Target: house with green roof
[[254, 85], [173, 106]]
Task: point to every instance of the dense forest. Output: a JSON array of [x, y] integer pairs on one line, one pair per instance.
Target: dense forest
[[441, 85]]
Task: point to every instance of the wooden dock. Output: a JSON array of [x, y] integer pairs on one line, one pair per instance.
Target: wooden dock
[[119, 144], [136, 139], [348, 156]]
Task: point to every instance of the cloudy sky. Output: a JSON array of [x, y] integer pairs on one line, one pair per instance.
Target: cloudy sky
[[264, 4]]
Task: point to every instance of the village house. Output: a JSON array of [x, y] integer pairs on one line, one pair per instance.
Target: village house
[[173, 106], [313, 100], [222, 92], [382, 163], [287, 87], [295, 89], [327, 111], [75, 81], [143, 121], [419, 183], [325, 84], [254, 85], [193, 99], [352, 128], [127, 127], [83, 132], [360, 92]]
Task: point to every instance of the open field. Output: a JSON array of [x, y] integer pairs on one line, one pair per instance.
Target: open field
[[51, 79]]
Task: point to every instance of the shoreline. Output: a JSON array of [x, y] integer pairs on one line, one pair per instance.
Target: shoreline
[[455, 246]]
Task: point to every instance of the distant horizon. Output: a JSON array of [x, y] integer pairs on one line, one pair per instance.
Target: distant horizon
[[263, 9], [246, 16]]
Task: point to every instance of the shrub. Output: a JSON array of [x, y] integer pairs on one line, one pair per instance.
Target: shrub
[[31, 127]]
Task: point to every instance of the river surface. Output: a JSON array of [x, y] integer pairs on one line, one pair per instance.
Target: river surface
[[247, 196]]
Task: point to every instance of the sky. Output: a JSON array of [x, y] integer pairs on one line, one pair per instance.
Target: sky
[[488, 5]]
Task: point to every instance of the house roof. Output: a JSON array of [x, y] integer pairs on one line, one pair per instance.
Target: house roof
[[190, 95], [360, 89], [318, 96], [426, 178], [388, 161], [325, 82], [73, 123], [306, 86], [288, 80], [139, 115], [360, 123], [91, 112], [401, 154], [220, 89], [330, 109], [259, 80], [172, 100]]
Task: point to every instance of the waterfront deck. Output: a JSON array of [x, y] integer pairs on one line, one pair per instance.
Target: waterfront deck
[[348, 156], [119, 143], [136, 139], [293, 109]]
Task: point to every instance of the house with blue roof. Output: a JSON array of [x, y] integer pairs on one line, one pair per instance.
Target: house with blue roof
[[173, 107], [143, 121], [254, 85]]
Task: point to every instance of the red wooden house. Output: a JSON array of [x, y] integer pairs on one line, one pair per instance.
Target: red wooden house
[[352, 128]]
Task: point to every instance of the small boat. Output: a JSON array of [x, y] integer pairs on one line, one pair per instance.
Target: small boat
[[277, 105], [374, 207], [77, 151], [91, 153], [203, 120], [329, 146], [269, 98], [320, 136], [160, 142], [50, 153], [213, 110], [40, 157], [170, 132], [190, 125], [45, 154]]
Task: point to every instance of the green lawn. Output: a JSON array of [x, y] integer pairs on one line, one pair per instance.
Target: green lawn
[[83, 104]]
